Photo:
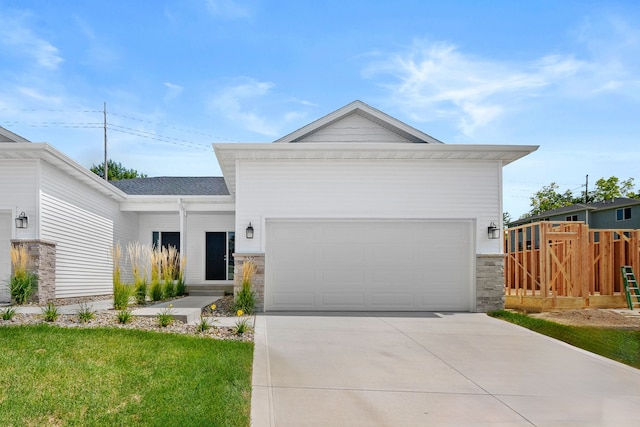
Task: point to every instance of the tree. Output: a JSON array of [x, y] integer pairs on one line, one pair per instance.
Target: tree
[[116, 171], [608, 189], [549, 198], [506, 219]]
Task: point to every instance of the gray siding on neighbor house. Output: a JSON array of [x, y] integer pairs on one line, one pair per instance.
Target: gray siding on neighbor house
[[607, 219]]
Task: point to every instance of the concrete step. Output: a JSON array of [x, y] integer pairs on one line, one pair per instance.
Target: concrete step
[[209, 290], [205, 292]]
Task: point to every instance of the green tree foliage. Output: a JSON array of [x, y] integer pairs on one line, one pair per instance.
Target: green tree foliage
[[116, 171], [506, 218], [607, 189], [549, 196]]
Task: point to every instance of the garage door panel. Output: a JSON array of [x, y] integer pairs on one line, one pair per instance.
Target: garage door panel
[[369, 265], [297, 300], [342, 299]]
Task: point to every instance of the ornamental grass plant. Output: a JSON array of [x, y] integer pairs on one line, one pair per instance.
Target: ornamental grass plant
[[121, 291], [245, 300], [22, 283]]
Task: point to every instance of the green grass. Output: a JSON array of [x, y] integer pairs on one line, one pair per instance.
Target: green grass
[[617, 344], [99, 377]]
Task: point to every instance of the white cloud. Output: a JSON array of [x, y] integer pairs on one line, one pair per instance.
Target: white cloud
[[228, 9], [435, 80], [173, 91], [16, 36], [250, 103]]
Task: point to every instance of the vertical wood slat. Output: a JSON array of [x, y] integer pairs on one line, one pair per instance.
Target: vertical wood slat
[[573, 264]]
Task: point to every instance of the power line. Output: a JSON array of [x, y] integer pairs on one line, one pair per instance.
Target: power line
[[118, 128]]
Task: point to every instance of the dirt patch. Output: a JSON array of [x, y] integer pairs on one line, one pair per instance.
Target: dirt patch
[[591, 317]]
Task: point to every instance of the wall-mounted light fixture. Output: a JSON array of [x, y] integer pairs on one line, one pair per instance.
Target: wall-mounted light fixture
[[493, 231], [250, 231], [22, 221]]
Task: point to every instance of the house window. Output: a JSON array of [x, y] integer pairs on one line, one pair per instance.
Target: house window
[[166, 239], [623, 214], [572, 217]]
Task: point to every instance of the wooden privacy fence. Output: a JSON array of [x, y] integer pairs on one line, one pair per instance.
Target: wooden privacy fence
[[552, 259]]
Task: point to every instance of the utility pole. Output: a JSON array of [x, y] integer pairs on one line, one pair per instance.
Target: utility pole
[[586, 191], [106, 167]]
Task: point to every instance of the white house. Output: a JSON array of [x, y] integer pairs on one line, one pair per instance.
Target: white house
[[356, 211]]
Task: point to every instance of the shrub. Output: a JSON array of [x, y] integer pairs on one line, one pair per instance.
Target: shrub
[[245, 300], [242, 326], [169, 289], [138, 257], [121, 291], [50, 312], [181, 286], [141, 292], [121, 294], [156, 291], [23, 283], [203, 325], [124, 316], [165, 318], [8, 313], [85, 313]]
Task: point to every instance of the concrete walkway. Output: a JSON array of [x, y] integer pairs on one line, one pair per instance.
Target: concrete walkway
[[439, 370]]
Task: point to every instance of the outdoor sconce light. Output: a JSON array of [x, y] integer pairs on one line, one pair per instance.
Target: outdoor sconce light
[[250, 231], [22, 221], [493, 230]]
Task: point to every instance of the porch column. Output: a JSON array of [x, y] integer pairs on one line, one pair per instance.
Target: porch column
[[257, 283], [42, 262], [490, 287]]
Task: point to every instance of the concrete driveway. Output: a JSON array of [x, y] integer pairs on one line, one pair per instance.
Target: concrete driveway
[[460, 369]]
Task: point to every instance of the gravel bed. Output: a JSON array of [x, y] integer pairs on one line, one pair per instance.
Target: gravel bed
[[109, 319]]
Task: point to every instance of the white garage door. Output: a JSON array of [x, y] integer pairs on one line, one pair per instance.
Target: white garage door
[[6, 221], [368, 265]]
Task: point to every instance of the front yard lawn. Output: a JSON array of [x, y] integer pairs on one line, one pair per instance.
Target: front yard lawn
[[97, 377], [617, 344]]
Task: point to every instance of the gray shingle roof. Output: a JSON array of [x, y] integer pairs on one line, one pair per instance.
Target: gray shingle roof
[[174, 186], [597, 206]]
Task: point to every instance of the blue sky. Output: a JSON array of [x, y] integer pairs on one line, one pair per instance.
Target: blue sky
[[179, 75]]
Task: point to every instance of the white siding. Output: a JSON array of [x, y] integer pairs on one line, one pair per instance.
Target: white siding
[[6, 222], [420, 189], [197, 225], [83, 244], [19, 192], [59, 185], [150, 222], [354, 128]]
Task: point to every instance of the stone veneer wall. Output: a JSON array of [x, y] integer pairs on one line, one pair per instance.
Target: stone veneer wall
[[42, 261], [489, 282], [258, 279]]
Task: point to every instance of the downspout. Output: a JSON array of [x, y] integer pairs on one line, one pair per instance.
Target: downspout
[[183, 247]]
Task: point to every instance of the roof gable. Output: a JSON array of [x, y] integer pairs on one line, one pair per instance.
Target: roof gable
[[358, 122], [7, 136]]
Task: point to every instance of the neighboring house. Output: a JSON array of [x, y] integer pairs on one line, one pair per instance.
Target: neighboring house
[[355, 211], [619, 213]]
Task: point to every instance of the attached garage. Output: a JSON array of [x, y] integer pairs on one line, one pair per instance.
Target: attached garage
[[369, 265]]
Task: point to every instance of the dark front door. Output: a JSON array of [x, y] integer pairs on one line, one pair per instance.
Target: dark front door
[[216, 251]]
